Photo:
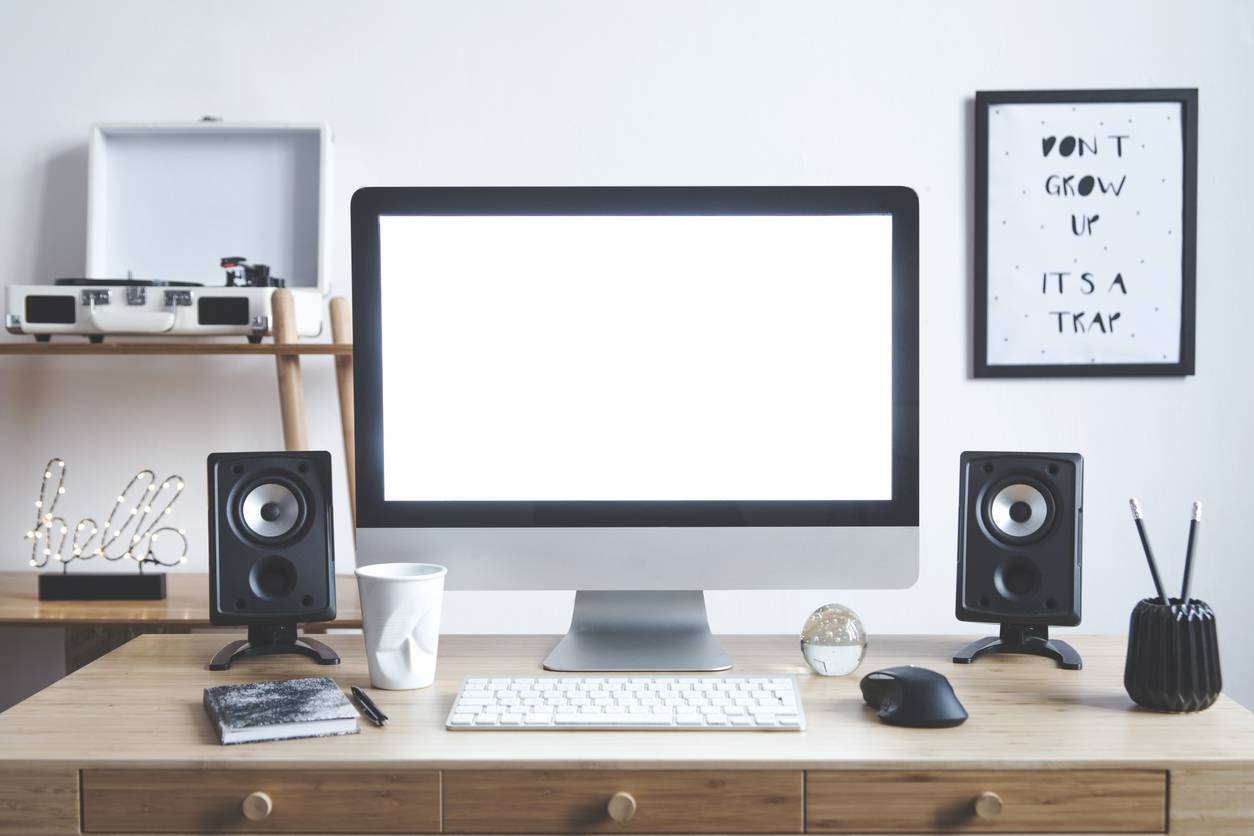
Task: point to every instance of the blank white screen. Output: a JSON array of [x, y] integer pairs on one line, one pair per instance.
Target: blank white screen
[[636, 358]]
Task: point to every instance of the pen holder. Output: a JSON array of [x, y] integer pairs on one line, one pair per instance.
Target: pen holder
[[1173, 656]]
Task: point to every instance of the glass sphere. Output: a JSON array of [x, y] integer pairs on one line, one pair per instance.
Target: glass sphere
[[833, 640]]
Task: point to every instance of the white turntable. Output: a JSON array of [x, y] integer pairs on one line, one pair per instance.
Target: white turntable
[[165, 202]]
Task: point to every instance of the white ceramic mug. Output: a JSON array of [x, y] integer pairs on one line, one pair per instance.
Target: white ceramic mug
[[400, 619]]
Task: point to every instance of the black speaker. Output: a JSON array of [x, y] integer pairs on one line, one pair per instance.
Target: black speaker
[[1019, 535], [271, 551]]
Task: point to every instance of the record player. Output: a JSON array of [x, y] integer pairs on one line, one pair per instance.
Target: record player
[[96, 308], [164, 201]]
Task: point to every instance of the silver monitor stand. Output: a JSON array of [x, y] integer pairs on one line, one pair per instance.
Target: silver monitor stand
[[617, 631]]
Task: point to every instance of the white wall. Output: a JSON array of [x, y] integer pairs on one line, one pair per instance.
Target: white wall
[[658, 93]]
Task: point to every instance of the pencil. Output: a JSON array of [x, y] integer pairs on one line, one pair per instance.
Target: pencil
[[1149, 553], [1189, 550]]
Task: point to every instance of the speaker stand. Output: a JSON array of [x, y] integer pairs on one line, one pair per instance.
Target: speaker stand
[[1028, 639], [267, 639]]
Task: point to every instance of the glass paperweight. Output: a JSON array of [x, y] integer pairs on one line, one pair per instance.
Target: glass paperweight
[[833, 640]]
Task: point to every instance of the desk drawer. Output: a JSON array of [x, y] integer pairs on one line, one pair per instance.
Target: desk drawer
[[1043, 801], [282, 801], [587, 801]]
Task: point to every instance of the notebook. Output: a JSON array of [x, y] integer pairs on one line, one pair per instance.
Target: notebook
[[310, 707]]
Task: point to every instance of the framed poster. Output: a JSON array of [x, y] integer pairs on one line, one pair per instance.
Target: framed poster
[[1085, 233]]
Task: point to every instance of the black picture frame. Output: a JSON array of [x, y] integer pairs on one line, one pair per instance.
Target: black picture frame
[[374, 511], [1187, 98]]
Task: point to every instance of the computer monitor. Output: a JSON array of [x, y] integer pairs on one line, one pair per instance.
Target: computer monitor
[[639, 394]]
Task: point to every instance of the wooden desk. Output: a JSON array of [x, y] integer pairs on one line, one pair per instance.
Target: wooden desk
[[124, 745], [93, 628]]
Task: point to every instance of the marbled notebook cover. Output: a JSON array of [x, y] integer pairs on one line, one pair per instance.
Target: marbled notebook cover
[[310, 707]]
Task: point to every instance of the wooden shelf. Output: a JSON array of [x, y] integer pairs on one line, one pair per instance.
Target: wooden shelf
[[186, 604], [114, 349]]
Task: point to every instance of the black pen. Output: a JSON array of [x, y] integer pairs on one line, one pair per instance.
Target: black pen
[[1137, 516], [368, 707], [1194, 524]]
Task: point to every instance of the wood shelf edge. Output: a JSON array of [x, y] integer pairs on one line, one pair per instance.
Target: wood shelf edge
[[54, 349]]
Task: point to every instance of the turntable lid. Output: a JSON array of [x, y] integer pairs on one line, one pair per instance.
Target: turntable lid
[[168, 200]]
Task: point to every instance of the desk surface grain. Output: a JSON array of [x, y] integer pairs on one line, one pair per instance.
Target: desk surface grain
[[141, 706], [186, 605]]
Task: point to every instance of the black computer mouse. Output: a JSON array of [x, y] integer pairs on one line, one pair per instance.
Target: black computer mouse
[[916, 697]]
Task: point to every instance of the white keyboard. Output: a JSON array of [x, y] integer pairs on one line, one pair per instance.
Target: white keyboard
[[702, 703]]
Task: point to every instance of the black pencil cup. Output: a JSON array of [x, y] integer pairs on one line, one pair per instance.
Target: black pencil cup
[[1173, 656]]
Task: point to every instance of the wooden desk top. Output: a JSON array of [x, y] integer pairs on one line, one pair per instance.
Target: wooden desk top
[[186, 605], [141, 706]]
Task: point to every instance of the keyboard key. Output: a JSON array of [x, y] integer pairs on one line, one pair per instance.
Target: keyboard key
[[788, 720], [462, 719], [689, 720], [741, 721], [511, 719], [616, 719], [538, 719]]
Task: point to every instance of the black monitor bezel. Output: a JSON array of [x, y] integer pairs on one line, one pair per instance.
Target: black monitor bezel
[[373, 511]]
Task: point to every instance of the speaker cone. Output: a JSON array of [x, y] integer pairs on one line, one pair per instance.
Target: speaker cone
[[1018, 510], [270, 510]]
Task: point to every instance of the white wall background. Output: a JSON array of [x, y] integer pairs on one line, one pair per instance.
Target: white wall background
[[654, 93]]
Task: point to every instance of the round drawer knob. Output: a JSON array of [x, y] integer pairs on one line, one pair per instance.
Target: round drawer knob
[[622, 807], [988, 805], [257, 806]]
